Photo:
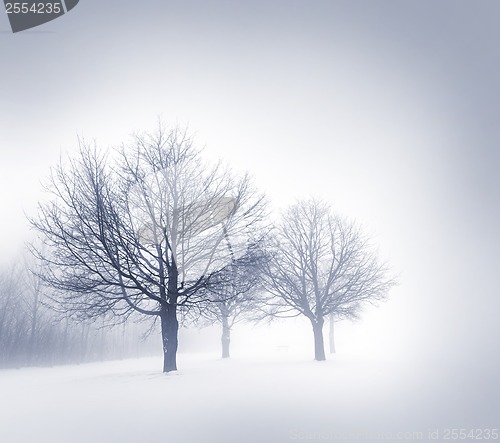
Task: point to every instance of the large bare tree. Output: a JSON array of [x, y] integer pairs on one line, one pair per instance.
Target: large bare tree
[[143, 230], [321, 265]]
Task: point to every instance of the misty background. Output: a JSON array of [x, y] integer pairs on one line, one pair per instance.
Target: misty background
[[387, 109]]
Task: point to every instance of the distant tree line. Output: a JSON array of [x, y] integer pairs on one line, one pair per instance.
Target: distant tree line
[[33, 334]]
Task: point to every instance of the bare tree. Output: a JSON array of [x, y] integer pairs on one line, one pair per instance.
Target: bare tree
[[234, 296], [321, 265], [142, 230]]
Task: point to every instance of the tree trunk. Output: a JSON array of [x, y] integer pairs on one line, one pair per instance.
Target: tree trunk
[[226, 336], [169, 322], [319, 345], [169, 334], [331, 336]]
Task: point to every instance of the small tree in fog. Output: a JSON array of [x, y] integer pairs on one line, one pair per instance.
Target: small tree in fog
[[142, 230], [321, 265], [233, 297]]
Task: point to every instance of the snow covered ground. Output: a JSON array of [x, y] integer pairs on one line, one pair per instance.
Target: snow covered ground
[[266, 398]]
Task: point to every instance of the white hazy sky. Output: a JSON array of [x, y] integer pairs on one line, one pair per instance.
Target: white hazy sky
[[388, 109]]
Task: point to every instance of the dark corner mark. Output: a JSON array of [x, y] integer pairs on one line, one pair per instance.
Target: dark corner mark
[[25, 15]]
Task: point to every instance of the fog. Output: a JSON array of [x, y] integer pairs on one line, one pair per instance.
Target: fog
[[386, 109]]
